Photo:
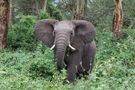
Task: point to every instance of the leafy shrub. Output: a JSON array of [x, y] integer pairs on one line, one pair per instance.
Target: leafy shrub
[[114, 67], [21, 34], [44, 65], [54, 12], [43, 15]]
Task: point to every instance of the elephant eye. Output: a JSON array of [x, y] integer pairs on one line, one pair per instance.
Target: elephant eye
[[72, 33]]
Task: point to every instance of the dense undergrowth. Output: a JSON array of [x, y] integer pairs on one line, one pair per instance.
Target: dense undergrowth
[[24, 69]]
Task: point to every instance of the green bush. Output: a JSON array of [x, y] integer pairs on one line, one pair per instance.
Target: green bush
[[114, 67], [21, 34], [54, 12], [43, 15], [44, 65]]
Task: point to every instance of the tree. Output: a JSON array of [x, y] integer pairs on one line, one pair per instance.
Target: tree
[[29, 7], [73, 9], [43, 5], [4, 18], [79, 9], [117, 18]]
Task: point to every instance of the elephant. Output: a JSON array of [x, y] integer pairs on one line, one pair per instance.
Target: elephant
[[73, 43]]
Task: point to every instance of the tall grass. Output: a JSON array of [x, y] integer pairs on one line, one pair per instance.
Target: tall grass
[[114, 67]]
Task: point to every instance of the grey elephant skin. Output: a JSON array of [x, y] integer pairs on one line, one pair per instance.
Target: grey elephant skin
[[73, 44]]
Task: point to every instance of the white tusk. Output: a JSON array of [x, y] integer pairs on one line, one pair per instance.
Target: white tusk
[[52, 47], [71, 47]]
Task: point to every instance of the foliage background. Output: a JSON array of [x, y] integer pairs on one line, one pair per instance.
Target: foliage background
[[27, 64]]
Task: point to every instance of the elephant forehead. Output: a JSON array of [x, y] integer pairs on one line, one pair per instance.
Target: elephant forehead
[[64, 25]]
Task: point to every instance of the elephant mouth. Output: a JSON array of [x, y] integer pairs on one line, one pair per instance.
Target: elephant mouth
[[70, 46]]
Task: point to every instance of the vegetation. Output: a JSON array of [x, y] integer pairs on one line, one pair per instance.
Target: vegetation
[[21, 33], [27, 64], [113, 68]]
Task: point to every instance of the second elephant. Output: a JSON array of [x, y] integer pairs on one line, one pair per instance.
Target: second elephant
[[73, 44]]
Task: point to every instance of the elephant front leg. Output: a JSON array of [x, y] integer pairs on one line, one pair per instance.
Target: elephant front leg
[[88, 58], [73, 63], [71, 74]]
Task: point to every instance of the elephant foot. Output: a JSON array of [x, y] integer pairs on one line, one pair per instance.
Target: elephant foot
[[60, 67], [79, 75], [86, 75], [66, 81]]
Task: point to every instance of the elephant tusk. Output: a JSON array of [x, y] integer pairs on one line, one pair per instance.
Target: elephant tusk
[[72, 47], [52, 47]]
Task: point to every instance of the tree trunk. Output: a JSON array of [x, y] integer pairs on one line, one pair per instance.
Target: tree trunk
[[4, 17], [44, 5], [79, 7], [40, 5], [117, 18], [10, 13]]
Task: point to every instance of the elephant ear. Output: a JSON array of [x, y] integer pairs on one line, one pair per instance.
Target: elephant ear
[[44, 31], [84, 33]]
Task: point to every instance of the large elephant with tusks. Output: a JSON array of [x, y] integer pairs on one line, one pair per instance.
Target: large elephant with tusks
[[73, 44]]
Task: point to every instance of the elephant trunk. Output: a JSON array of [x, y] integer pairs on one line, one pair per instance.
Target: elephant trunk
[[60, 54], [61, 45], [62, 40]]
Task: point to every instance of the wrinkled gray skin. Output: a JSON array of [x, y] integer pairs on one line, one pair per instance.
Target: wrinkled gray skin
[[73, 44]]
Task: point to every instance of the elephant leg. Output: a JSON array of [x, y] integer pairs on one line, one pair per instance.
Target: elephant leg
[[81, 70], [88, 57], [73, 62]]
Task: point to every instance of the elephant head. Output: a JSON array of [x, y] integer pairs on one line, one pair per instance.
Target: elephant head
[[60, 35]]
